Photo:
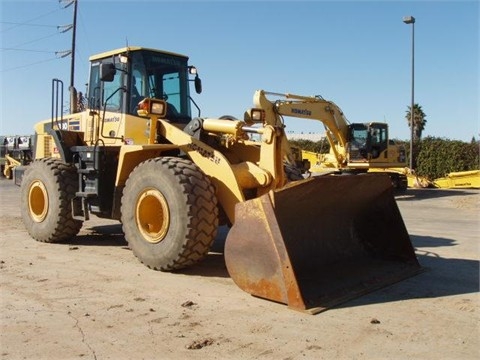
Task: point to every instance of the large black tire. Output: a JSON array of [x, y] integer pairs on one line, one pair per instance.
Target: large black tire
[[292, 172], [47, 189], [169, 213], [399, 182]]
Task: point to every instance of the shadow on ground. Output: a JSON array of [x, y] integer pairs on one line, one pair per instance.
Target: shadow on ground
[[420, 241], [112, 235], [102, 235], [422, 194], [443, 276]]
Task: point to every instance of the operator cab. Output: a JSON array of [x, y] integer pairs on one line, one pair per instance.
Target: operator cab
[[367, 141], [120, 79]]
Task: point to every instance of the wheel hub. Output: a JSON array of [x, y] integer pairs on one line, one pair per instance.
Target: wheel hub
[[38, 201], [152, 215]]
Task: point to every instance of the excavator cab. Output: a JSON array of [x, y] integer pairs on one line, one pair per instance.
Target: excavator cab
[[367, 141]]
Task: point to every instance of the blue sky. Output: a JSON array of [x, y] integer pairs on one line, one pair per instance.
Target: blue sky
[[355, 53]]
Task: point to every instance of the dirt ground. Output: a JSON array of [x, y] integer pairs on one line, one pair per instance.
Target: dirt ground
[[91, 298]]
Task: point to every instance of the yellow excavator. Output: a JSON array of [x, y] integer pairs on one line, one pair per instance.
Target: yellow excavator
[[354, 147], [136, 154]]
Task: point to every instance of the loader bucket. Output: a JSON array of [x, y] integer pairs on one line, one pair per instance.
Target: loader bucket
[[320, 242]]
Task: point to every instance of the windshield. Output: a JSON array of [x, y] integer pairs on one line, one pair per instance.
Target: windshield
[[358, 135], [161, 76], [367, 140]]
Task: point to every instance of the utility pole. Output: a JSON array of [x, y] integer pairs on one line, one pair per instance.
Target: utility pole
[[73, 91], [74, 33], [73, 27]]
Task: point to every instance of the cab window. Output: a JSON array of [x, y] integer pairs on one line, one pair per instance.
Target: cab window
[[111, 96], [101, 91]]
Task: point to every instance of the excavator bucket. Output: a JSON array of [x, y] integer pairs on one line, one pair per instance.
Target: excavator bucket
[[320, 242]]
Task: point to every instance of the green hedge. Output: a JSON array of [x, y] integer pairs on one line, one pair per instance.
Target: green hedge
[[321, 146], [436, 157]]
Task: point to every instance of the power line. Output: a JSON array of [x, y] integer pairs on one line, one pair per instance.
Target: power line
[[27, 65], [35, 40], [61, 29], [29, 50], [25, 24], [19, 47]]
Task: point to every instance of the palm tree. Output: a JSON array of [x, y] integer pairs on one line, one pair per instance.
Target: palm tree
[[419, 121]]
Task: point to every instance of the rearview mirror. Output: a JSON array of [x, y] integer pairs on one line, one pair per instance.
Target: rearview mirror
[[107, 72], [198, 85]]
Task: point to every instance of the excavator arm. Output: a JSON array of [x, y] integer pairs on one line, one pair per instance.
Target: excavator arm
[[310, 108], [359, 146]]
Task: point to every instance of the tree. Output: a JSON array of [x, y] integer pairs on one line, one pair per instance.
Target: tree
[[419, 121]]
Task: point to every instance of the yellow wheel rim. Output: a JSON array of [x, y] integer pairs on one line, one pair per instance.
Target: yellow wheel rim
[[38, 201], [152, 215]]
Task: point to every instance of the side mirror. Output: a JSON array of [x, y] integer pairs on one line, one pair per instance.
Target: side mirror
[[107, 72], [198, 85], [192, 70]]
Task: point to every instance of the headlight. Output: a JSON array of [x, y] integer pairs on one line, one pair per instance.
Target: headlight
[[257, 115], [158, 108], [148, 107]]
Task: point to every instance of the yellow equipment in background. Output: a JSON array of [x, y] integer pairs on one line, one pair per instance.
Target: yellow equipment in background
[[459, 180], [454, 180], [354, 147], [136, 154], [14, 151], [413, 180], [10, 164]]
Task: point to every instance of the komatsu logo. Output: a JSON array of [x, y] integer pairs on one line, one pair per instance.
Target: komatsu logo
[[301, 112], [112, 119]]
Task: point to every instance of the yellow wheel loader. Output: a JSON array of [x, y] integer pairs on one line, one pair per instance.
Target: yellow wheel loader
[[140, 157]]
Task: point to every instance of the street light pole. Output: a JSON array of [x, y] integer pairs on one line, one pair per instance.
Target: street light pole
[[411, 20]]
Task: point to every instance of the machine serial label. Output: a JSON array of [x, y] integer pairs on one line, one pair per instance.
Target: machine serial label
[[301, 112], [210, 155]]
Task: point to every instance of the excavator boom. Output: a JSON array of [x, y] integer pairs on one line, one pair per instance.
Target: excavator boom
[[353, 146]]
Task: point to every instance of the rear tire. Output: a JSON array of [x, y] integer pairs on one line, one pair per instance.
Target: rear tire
[[47, 189], [169, 213], [399, 182]]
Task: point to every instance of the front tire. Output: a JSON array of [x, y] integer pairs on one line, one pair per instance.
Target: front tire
[[169, 213], [47, 189]]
